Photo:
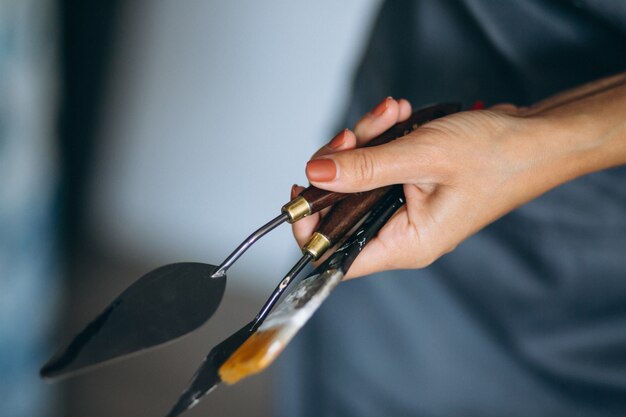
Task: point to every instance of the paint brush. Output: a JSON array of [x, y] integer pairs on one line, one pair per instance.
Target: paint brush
[[208, 376], [333, 227], [270, 339]]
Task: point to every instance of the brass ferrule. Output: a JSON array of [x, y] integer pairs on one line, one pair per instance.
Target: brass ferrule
[[316, 246], [297, 209]]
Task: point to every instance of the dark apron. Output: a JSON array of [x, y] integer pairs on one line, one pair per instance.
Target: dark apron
[[526, 318]]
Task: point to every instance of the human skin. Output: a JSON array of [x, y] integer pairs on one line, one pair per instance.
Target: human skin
[[466, 170]]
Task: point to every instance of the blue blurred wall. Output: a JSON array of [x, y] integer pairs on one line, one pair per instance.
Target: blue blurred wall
[[213, 110]]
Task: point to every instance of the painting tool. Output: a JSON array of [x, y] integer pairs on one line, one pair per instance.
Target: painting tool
[[176, 299], [207, 377], [95, 342], [337, 222], [264, 346]]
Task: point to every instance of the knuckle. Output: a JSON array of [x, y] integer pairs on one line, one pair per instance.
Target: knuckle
[[360, 129], [363, 128], [430, 151], [432, 155], [364, 168]]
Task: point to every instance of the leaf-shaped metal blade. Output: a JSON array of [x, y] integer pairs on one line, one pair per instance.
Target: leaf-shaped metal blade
[[161, 306]]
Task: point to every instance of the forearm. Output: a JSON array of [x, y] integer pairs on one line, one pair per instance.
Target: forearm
[[601, 126], [578, 132]]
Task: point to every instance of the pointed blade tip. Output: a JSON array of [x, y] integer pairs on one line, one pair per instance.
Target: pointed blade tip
[[50, 370]]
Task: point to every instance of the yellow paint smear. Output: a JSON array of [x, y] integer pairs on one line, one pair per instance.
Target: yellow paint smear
[[256, 354]]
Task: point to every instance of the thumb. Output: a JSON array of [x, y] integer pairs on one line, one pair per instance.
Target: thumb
[[363, 169]]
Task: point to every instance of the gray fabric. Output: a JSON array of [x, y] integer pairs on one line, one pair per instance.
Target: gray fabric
[[528, 317]]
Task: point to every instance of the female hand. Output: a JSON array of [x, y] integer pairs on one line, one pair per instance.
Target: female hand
[[464, 171]]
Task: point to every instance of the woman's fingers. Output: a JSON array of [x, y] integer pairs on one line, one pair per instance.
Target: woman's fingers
[[342, 141], [386, 114], [381, 118], [407, 240], [405, 160], [405, 110], [303, 228], [372, 259], [385, 251], [370, 126]]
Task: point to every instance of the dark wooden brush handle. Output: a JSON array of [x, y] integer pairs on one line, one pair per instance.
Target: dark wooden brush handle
[[346, 214], [319, 199]]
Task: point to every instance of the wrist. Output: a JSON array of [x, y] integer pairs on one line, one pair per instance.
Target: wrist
[[544, 152], [592, 129], [560, 145], [569, 143]]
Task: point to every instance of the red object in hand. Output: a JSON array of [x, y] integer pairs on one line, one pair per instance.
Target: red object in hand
[[478, 105]]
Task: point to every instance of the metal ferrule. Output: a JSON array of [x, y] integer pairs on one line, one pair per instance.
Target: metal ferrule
[[316, 246], [297, 209]]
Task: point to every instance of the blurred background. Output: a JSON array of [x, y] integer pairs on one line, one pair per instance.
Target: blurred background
[[131, 134]]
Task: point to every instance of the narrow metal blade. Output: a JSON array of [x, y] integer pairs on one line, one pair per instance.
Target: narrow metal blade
[[161, 306], [206, 377]]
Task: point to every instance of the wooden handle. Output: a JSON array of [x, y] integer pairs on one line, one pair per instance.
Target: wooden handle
[[347, 213], [319, 199], [340, 219]]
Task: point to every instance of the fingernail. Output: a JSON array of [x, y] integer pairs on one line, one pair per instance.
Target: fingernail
[[338, 140], [381, 107], [321, 170], [293, 191]]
